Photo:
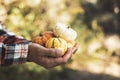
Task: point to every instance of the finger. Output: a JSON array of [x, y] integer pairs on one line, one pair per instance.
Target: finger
[[48, 51], [63, 59], [67, 55], [75, 48], [55, 62], [50, 62], [53, 52]]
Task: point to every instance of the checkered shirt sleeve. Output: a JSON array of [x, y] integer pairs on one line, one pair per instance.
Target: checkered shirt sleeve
[[13, 49]]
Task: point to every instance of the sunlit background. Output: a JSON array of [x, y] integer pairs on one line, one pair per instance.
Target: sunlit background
[[97, 23]]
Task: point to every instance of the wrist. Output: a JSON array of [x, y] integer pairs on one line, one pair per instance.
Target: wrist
[[29, 52]]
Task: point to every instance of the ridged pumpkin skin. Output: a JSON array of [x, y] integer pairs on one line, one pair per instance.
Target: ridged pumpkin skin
[[65, 32], [48, 34], [57, 43], [42, 39], [38, 40]]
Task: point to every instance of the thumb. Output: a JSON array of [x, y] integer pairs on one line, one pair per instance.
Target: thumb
[[53, 52]]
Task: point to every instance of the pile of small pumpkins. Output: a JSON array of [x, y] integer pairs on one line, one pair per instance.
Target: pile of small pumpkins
[[62, 37]]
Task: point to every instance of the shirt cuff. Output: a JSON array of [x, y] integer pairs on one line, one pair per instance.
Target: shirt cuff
[[15, 53]]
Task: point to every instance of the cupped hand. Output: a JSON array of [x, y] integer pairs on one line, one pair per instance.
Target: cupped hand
[[49, 57]]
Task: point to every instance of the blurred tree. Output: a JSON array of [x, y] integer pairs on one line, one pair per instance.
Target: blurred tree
[[105, 12]]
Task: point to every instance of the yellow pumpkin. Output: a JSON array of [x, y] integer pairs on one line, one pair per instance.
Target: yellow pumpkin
[[57, 43], [42, 39], [65, 32], [70, 44]]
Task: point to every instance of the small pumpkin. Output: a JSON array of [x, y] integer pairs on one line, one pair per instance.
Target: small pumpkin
[[70, 44], [42, 39], [65, 32], [48, 34], [57, 43], [38, 40]]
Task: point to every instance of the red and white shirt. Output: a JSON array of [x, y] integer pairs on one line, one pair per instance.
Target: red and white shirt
[[13, 49]]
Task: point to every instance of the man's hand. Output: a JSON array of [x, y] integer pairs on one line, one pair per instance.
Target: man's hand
[[49, 57]]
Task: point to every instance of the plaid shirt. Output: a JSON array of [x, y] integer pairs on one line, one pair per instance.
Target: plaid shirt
[[13, 49]]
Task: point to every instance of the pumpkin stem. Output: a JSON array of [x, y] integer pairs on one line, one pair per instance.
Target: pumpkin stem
[[41, 34], [69, 27], [56, 36]]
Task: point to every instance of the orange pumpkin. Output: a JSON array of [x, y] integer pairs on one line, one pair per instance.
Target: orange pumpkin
[[42, 39], [48, 34], [57, 43], [38, 40]]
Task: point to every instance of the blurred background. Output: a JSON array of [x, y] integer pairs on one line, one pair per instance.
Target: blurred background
[[97, 23]]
